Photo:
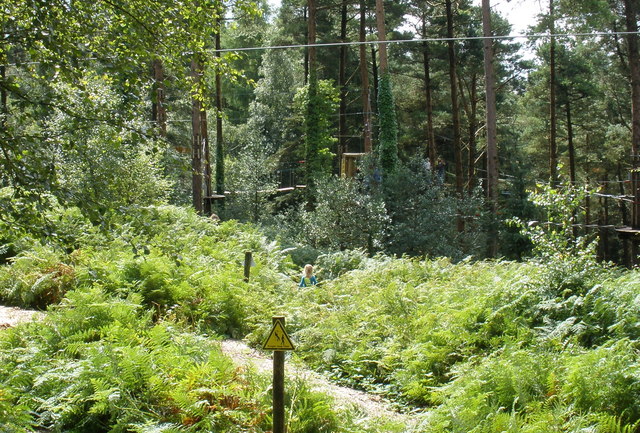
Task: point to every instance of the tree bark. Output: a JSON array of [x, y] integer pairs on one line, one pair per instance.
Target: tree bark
[[491, 126], [342, 120], [4, 106], [311, 33], [306, 49], [374, 70], [364, 77], [312, 164], [431, 140], [196, 143], [631, 19], [469, 106], [206, 163], [491, 113], [570, 144], [631, 14], [158, 110], [455, 110], [220, 175], [572, 159], [382, 37], [553, 148], [473, 128]]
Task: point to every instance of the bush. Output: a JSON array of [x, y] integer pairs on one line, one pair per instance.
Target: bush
[[424, 216], [345, 217]]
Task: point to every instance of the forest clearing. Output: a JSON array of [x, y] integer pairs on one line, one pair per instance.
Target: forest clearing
[[446, 214]]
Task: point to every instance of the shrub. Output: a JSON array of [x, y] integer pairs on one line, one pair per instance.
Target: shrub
[[345, 217], [36, 278], [424, 215]]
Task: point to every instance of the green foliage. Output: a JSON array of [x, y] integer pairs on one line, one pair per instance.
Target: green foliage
[[490, 346], [388, 146], [105, 166], [114, 371], [332, 265], [253, 182], [275, 92], [515, 347], [345, 217], [423, 215], [319, 101], [36, 278], [182, 265], [570, 259]]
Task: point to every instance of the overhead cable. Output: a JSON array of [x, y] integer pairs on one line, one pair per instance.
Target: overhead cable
[[440, 39]]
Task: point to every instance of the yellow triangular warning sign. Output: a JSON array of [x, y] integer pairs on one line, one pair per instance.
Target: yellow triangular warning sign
[[278, 338]]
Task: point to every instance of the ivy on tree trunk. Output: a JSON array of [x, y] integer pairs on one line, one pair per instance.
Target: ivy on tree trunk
[[388, 146]]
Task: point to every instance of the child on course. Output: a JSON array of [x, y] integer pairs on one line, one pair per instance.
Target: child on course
[[308, 279]]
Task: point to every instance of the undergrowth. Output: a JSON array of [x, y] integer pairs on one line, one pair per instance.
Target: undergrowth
[[136, 305], [485, 347]]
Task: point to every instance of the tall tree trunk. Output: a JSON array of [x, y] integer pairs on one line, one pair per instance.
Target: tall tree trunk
[[312, 164], [468, 104], [473, 128], [374, 71], [158, 110], [388, 134], [570, 144], [342, 117], [625, 217], [306, 49], [206, 163], [220, 175], [364, 77], [604, 221], [311, 35], [382, 37], [631, 19], [431, 140], [196, 143], [455, 110], [490, 92], [491, 126], [572, 160], [4, 107], [553, 148]]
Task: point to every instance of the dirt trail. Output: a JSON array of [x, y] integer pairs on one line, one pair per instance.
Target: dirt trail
[[11, 316], [371, 405]]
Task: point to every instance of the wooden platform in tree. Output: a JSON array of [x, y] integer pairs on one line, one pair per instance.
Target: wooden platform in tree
[[628, 233]]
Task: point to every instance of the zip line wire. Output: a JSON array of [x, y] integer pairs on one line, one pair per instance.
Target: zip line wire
[[393, 41], [440, 39]]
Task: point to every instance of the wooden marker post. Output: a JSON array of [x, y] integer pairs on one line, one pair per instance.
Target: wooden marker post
[[278, 341], [248, 262]]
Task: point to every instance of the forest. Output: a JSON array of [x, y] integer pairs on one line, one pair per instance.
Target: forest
[[470, 201]]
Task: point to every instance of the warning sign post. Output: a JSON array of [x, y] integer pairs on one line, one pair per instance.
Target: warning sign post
[[279, 342], [278, 338]]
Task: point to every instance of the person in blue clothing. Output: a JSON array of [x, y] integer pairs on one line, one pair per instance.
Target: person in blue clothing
[[308, 279]]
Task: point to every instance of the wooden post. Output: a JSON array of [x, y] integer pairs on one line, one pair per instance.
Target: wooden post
[[278, 341], [278, 385], [248, 259]]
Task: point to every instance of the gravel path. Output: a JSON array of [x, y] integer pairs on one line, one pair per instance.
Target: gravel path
[[11, 316], [372, 406]]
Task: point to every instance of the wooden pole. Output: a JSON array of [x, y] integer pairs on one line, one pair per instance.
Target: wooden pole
[[248, 258], [278, 386]]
